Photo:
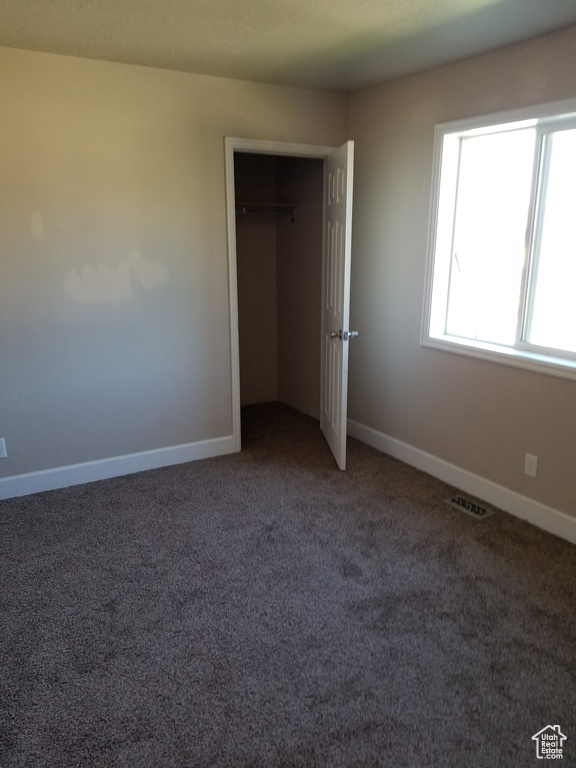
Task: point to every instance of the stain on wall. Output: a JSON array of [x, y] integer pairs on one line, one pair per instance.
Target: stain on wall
[[101, 283]]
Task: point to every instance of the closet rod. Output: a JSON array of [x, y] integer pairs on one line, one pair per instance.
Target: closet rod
[[275, 208]]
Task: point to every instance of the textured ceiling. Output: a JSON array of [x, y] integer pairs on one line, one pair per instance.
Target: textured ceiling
[[333, 44]]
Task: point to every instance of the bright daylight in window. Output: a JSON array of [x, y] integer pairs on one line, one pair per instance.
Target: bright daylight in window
[[502, 252]]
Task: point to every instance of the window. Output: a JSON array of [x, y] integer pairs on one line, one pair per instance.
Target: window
[[502, 251]]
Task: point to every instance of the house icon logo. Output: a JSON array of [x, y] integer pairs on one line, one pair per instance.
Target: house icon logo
[[549, 743]]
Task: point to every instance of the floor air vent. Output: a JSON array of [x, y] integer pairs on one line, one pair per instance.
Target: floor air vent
[[472, 508]]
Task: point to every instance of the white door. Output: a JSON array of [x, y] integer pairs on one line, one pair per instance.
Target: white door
[[336, 299]]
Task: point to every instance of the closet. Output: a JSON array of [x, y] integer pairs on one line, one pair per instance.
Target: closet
[[279, 204]]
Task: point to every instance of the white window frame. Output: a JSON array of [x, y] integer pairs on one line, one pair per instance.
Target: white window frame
[[521, 354]]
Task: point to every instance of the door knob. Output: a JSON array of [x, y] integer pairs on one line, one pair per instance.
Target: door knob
[[344, 335]]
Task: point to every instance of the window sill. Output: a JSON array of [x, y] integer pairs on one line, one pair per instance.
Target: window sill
[[553, 366]]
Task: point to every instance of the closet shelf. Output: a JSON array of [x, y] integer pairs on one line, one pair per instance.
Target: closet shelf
[[274, 208]]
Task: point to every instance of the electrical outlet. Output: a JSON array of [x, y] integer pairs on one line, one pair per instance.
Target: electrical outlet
[[530, 465], [3, 453]]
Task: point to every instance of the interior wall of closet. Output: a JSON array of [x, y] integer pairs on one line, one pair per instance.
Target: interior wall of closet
[[279, 202]]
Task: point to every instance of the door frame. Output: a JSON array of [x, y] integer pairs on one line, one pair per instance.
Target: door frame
[[254, 146]]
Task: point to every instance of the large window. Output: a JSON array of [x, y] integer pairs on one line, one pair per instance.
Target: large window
[[502, 253]]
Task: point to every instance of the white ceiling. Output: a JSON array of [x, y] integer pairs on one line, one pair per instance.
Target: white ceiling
[[341, 45]]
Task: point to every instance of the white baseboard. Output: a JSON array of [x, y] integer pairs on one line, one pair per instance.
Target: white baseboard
[[548, 518], [76, 474]]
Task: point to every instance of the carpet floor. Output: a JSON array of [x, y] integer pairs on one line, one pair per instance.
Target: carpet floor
[[265, 610]]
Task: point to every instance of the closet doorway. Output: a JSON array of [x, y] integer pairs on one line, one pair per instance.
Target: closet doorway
[[289, 279]]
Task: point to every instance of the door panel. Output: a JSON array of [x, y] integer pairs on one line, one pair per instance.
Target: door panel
[[336, 298]]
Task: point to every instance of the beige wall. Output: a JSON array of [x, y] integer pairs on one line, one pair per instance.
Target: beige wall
[[481, 416], [114, 327]]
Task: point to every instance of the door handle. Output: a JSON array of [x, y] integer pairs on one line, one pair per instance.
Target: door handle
[[344, 335]]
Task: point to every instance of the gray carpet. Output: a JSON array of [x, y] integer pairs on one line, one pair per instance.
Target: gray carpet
[[266, 610]]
